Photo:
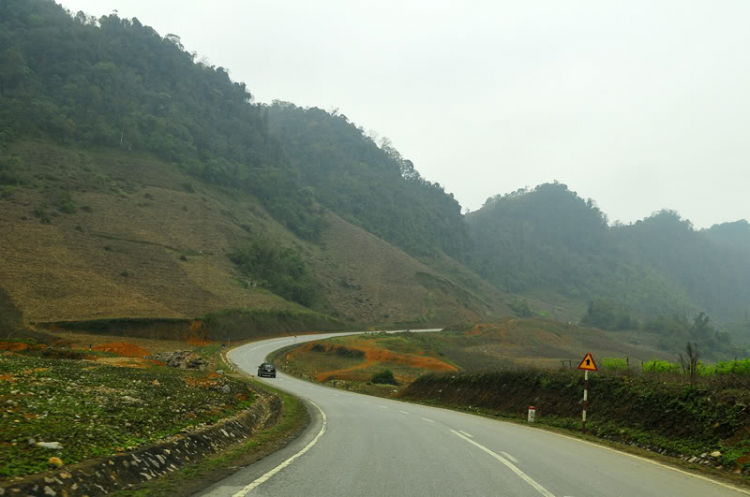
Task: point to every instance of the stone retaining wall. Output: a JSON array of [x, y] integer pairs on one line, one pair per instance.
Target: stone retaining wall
[[101, 476]]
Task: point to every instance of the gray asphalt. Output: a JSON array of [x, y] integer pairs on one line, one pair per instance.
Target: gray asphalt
[[383, 447]]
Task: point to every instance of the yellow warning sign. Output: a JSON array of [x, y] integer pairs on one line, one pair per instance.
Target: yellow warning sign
[[588, 364]]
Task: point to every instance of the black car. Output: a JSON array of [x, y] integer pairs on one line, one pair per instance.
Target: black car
[[267, 369]]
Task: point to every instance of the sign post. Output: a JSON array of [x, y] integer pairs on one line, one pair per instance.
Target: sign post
[[587, 364]]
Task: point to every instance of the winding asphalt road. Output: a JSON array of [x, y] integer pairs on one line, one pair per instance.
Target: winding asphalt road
[[358, 445]]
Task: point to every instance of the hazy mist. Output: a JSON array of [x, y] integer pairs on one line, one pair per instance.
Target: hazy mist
[[639, 105]]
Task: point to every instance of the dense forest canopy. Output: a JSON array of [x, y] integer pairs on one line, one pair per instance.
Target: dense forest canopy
[[115, 83]]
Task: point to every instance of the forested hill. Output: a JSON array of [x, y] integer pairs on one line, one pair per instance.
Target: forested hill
[[370, 185], [116, 83], [550, 239]]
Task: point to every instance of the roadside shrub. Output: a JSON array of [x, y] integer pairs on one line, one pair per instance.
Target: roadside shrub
[[614, 363], [318, 347], [384, 377], [657, 366], [345, 352], [736, 367]]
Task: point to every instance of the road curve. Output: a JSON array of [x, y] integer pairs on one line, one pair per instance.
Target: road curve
[[358, 445]]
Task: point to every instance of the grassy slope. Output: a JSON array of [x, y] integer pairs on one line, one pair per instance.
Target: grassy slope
[[541, 343], [357, 358], [512, 343], [136, 216]]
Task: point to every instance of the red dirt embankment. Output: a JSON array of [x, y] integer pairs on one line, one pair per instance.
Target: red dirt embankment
[[122, 349], [13, 346]]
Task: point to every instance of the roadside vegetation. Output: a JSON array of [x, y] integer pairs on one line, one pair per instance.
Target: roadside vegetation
[[64, 405], [196, 477], [706, 422]]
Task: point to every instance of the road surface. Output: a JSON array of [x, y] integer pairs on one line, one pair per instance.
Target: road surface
[[358, 445]]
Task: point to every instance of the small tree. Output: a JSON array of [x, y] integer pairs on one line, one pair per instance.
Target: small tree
[[690, 363]]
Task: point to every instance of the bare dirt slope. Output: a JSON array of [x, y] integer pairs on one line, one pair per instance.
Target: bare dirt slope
[[143, 239]]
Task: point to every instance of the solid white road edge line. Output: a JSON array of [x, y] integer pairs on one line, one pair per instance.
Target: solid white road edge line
[[289, 461], [468, 434], [510, 466]]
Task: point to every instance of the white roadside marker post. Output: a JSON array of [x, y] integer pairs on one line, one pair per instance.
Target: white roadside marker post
[[585, 400], [587, 364]]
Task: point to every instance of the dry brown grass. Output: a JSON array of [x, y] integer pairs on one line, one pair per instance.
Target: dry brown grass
[[123, 258], [539, 343]]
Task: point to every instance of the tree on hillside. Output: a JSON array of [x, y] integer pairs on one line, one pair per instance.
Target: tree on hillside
[[608, 315]]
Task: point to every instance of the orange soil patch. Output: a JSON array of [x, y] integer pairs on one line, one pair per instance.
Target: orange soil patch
[[7, 377], [374, 355], [13, 346], [123, 349]]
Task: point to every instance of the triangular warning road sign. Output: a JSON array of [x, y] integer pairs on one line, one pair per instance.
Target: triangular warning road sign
[[588, 364]]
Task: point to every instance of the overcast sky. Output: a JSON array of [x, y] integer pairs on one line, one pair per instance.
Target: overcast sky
[[638, 105]]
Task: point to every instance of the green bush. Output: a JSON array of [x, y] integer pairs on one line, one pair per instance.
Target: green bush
[[614, 363], [384, 377], [736, 367], [657, 366], [66, 204], [521, 308]]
